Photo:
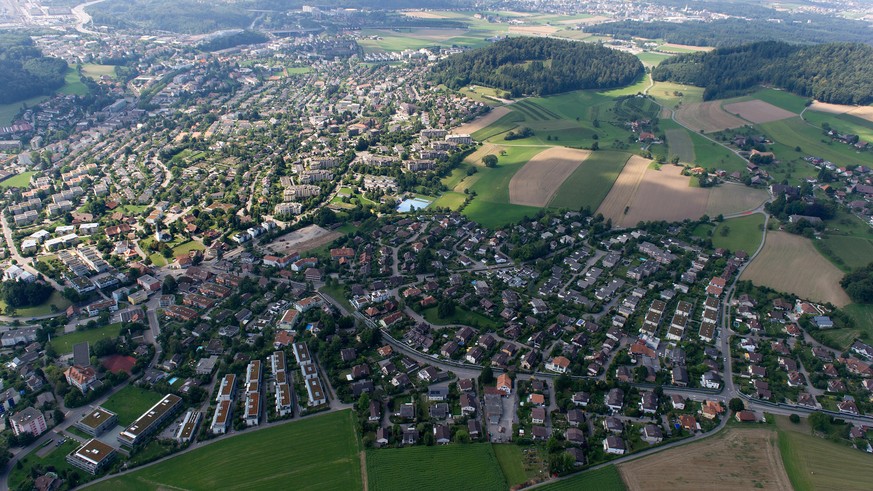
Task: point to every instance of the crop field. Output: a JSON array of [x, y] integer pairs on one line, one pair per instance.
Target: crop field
[[758, 111], [791, 263], [625, 187], [272, 458], [683, 48], [730, 197], [680, 144], [482, 122], [603, 479], [538, 181], [707, 116], [660, 195], [740, 234], [64, 344], [444, 467], [795, 132], [738, 458], [862, 112], [592, 181], [815, 463], [847, 252], [130, 403], [491, 206]]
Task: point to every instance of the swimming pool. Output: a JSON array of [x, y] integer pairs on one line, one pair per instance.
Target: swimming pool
[[417, 203]]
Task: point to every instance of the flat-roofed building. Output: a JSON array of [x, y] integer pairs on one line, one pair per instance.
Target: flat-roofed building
[[188, 428], [277, 362], [97, 421], [316, 394], [227, 389], [150, 421], [284, 400], [221, 418], [301, 353], [92, 457], [253, 409]]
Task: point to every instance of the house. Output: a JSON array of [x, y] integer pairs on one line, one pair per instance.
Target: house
[[382, 436], [575, 417], [614, 445], [575, 436], [615, 399], [442, 434], [539, 432], [410, 436], [504, 384], [82, 378], [746, 416], [558, 364], [652, 434], [710, 379], [613, 424], [677, 401], [649, 403], [538, 415]]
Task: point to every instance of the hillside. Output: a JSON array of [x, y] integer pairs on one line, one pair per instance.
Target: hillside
[[839, 73], [539, 66], [26, 72]]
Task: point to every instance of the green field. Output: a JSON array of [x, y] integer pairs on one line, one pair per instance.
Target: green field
[[792, 132], [511, 460], [130, 403], [652, 59], [589, 184], [815, 463], [506, 122], [316, 453], [444, 467], [95, 71], [450, 199], [743, 233], [670, 95], [461, 316], [56, 299], [680, 144], [64, 344], [73, 85], [779, 98], [186, 247], [710, 155], [842, 123], [56, 458], [8, 111], [491, 206], [18, 181], [862, 317], [603, 479], [851, 252]]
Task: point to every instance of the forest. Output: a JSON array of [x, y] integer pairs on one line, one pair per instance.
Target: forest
[[232, 40], [26, 72], [734, 32], [539, 66], [839, 73]]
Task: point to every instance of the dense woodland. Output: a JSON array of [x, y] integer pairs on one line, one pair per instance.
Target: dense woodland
[[539, 66], [734, 32], [840, 73], [26, 72]]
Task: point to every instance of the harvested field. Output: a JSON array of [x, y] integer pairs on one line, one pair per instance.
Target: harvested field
[[597, 19], [791, 263], [863, 112], [533, 30], [475, 158], [729, 198], [758, 111], [481, 122], [707, 116], [418, 14], [680, 144], [661, 195], [625, 187], [739, 458], [305, 239], [541, 176], [683, 48]]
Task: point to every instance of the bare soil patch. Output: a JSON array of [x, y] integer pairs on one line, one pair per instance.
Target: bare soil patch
[[541, 176], [707, 116], [534, 30], [661, 195], [625, 187], [482, 121], [305, 239], [597, 19], [758, 111], [740, 458], [791, 263], [863, 112], [731, 197], [424, 15], [680, 47]]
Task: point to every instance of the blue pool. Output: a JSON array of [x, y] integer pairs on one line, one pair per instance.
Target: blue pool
[[417, 203]]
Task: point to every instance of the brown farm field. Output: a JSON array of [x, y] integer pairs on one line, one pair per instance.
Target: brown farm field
[[729, 197], [863, 112], [481, 122], [424, 15], [660, 195], [707, 116], [625, 187], [791, 263], [758, 111], [541, 176], [739, 458], [533, 30]]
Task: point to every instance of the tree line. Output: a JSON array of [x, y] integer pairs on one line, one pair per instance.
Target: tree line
[[26, 72], [839, 73], [539, 66]]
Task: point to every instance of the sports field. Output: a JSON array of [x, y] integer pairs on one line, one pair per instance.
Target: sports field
[[592, 181], [815, 463], [130, 403], [440, 467], [539, 179], [790, 263], [740, 234], [64, 344], [603, 479], [737, 458], [321, 452]]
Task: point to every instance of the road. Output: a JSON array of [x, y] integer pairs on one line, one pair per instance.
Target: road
[[83, 18], [22, 261]]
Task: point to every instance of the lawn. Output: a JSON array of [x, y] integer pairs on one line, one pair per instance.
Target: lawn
[[134, 209], [739, 234], [444, 467], [511, 460], [95, 71], [316, 453], [816, 463], [45, 308], [461, 316], [186, 247], [589, 184], [603, 479], [64, 344], [130, 403], [337, 292], [57, 458], [450, 199], [18, 181]]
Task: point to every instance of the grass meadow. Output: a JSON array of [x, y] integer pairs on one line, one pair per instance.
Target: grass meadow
[[739, 234], [130, 403], [589, 184], [445, 467]]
